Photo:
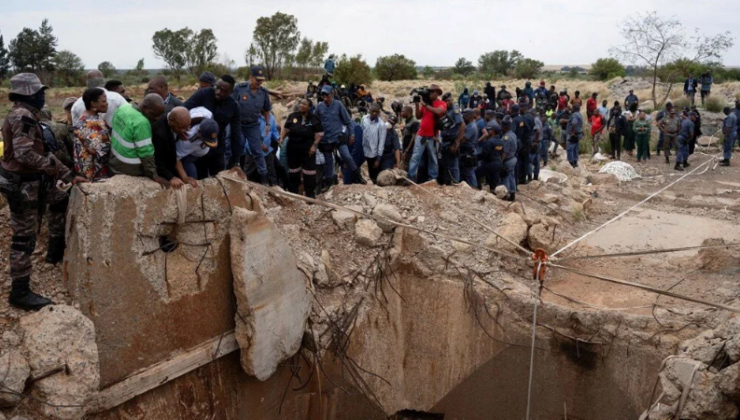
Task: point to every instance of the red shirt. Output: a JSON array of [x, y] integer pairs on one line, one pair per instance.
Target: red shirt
[[427, 123], [590, 106], [597, 123], [562, 102]]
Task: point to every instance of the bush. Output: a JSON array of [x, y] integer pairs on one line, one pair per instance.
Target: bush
[[714, 104], [682, 102]]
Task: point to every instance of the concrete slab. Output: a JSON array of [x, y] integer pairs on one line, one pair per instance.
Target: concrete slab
[[271, 296]]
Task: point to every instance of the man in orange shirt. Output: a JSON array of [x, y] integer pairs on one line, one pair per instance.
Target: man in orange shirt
[[591, 104]]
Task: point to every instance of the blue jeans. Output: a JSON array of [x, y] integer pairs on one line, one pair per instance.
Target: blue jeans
[[682, 153], [510, 180], [450, 165], [534, 160], [188, 164], [573, 151], [346, 160], [253, 140], [544, 148], [729, 142], [419, 148]]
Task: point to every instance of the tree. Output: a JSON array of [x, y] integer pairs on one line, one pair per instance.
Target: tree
[[527, 68], [318, 52], [33, 50], [352, 70], [499, 62], [653, 41], [170, 47], [107, 68], [4, 60], [311, 54], [69, 68], [274, 39], [251, 56], [427, 72], [463, 66], [139, 69], [303, 56], [607, 68], [201, 51], [395, 67]]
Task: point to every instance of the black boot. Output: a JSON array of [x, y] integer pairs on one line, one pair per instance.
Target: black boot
[[678, 167], [359, 178], [55, 253], [725, 162], [657, 152], [512, 197], [22, 297], [686, 164]]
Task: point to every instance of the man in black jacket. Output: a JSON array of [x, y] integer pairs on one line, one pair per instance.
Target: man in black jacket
[[226, 112], [170, 128], [689, 88]]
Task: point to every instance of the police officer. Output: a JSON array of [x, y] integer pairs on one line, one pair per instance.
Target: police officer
[[452, 135], [535, 148], [254, 100], [521, 129], [662, 114], [509, 157], [28, 177], [575, 134], [729, 129], [469, 149], [669, 127], [684, 136], [491, 159], [548, 135]]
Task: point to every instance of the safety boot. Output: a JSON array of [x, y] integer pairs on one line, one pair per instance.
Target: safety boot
[[725, 162], [686, 164], [678, 167], [359, 178], [55, 253], [22, 297]]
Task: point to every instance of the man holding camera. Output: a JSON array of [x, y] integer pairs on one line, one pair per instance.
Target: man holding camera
[[452, 132], [428, 110]]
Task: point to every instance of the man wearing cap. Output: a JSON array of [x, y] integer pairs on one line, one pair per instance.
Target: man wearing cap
[[684, 136], [253, 100], [223, 106], [338, 135], [630, 99], [469, 149], [115, 100], [201, 136], [669, 126], [452, 134], [427, 114], [206, 80], [28, 177], [575, 134], [729, 129]]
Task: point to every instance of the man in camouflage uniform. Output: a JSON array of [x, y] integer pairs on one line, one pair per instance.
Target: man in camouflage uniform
[[27, 180]]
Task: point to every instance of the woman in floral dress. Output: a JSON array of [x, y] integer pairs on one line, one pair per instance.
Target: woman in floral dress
[[92, 137]]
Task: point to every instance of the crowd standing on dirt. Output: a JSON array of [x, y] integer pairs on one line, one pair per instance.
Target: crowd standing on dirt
[[494, 139]]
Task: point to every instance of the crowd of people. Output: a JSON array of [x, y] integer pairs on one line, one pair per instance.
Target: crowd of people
[[494, 139]]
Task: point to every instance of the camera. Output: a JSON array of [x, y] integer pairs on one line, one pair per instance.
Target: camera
[[421, 93]]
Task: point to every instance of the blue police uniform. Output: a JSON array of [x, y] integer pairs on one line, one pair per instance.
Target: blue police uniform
[[510, 145], [684, 135], [468, 152], [357, 153], [729, 126], [337, 123], [534, 150], [491, 161], [574, 131], [251, 105], [449, 171], [547, 137]]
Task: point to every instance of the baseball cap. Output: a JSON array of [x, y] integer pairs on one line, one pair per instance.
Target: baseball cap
[[326, 89], [258, 72], [207, 77], [515, 108], [468, 113], [67, 104], [208, 130], [26, 84]]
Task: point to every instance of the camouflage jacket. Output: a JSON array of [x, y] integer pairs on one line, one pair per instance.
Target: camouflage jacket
[[23, 144]]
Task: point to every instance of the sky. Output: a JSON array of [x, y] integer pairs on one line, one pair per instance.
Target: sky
[[431, 32]]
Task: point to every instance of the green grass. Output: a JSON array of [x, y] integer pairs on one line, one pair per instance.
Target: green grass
[[714, 104]]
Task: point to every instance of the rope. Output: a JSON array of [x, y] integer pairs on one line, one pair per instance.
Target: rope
[[648, 288], [534, 338], [620, 215], [647, 252], [460, 212], [372, 216]]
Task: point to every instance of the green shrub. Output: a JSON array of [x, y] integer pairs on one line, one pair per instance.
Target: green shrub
[[714, 104], [682, 102]]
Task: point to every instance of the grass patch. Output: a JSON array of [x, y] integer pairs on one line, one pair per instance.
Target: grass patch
[[714, 104], [682, 102]]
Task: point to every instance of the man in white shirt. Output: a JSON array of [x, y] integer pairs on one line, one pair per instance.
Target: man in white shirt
[[95, 80], [373, 140]]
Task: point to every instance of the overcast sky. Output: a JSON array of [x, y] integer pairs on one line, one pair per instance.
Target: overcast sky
[[431, 32]]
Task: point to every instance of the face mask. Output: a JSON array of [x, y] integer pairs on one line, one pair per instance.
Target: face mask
[[37, 100]]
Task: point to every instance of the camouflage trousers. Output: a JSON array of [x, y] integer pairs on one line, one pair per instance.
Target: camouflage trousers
[[23, 202]]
